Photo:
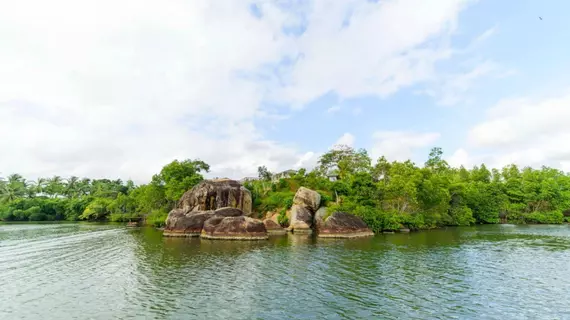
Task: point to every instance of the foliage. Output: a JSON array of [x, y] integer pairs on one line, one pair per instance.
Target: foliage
[[179, 176], [156, 218], [282, 218], [387, 195], [263, 173]]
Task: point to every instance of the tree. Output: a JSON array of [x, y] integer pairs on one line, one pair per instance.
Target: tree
[[54, 186], [263, 173], [72, 187], [345, 161], [178, 177]]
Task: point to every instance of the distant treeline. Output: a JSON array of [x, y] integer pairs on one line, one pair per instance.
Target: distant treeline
[[387, 195]]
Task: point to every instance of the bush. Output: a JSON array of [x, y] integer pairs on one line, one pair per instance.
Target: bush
[[276, 200], [288, 203], [282, 218], [378, 220], [325, 198], [283, 185], [412, 221], [552, 217], [123, 217], [98, 209], [460, 216], [156, 218]]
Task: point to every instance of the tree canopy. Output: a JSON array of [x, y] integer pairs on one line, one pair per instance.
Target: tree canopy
[[387, 195]]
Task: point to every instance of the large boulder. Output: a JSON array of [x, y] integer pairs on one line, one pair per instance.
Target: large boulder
[[319, 218], [184, 223], [307, 198], [215, 194], [234, 228], [305, 203], [301, 219], [273, 228], [343, 225]]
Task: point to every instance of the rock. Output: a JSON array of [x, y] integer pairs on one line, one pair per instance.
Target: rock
[[301, 218], [228, 212], [234, 228], [273, 228], [215, 194], [344, 225], [319, 219], [405, 230], [307, 198], [184, 223]]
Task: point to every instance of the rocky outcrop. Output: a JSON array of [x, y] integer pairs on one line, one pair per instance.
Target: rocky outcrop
[[305, 203], [343, 225], [273, 228], [214, 194], [319, 218], [301, 219], [307, 198], [184, 223], [234, 228]]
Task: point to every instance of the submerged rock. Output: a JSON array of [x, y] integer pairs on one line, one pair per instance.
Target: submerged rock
[[184, 223], [343, 225], [215, 194], [273, 228], [234, 228]]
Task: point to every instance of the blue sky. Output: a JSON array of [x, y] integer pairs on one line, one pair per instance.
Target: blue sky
[[102, 89]]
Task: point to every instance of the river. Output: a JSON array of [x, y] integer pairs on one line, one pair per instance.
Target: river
[[98, 271]]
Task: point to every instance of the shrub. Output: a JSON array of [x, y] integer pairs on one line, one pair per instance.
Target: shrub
[[282, 218], [283, 185], [460, 216], [325, 198], [276, 200], [123, 217], [288, 203], [156, 218], [552, 217]]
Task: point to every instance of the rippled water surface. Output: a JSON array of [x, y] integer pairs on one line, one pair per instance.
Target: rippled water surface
[[89, 271]]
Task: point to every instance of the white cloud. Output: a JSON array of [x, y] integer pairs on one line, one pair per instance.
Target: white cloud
[[118, 89], [346, 139], [524, 131], [333, 109], [453, 88], [356, 111], [353, 60], [460, 158], [400, 145]]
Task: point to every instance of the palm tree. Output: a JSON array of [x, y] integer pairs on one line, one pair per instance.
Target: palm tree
[[84, 186], [54, 186], [12, 188], [72, 187], [40, 185]]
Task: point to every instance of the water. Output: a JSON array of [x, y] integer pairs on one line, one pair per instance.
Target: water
[[90, 271]]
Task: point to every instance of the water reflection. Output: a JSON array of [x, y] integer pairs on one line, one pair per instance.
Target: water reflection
[[64, 271]]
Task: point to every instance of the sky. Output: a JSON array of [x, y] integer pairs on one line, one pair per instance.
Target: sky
[[118, 89]]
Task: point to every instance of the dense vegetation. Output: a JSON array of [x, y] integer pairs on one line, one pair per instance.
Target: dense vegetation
[[395, 195], [387, 195], [76, 199]]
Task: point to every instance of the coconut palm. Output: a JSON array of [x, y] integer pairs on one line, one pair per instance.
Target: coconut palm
[[72, 187], [54, 186]]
